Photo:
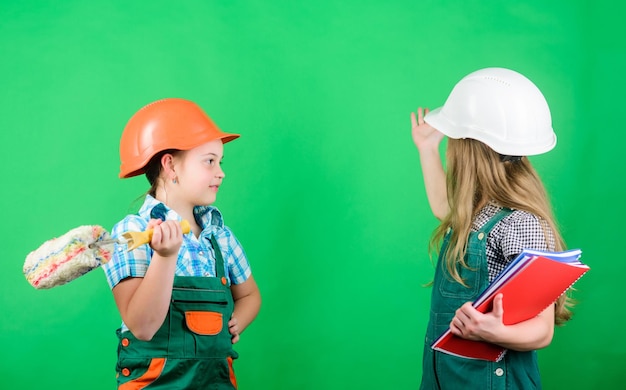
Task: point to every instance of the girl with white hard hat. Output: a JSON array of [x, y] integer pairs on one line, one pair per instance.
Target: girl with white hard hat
[[492, 204]]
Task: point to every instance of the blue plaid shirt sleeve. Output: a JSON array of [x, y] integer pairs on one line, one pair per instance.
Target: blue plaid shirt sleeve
[[125, 264], [238, 267]]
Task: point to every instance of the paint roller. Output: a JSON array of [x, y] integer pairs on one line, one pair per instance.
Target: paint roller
[[80, 250]]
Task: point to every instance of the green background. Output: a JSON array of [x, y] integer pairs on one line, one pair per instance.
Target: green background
[[324, 187]]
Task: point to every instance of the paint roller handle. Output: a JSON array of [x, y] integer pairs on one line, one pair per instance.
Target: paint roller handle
[[184, 224], [136, 239]]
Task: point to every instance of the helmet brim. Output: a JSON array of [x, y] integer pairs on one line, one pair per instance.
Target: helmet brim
[[443, 123]]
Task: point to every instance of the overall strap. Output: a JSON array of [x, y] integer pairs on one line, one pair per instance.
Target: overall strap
[[503, 213], [219, 260]]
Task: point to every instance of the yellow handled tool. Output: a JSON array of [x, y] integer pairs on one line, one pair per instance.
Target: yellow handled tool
[[82, 249], [136, 239]]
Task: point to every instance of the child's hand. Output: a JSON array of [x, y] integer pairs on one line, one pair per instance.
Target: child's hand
[[424, 135], [167, 237], [471, 324], [233, 328]]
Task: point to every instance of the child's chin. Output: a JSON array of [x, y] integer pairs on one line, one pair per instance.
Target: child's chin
[[208, 201]]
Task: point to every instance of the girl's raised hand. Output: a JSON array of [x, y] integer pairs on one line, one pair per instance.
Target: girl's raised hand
[[167, 237], [424, 135]]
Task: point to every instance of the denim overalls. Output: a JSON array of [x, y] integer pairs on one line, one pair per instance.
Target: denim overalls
[[517, 370]]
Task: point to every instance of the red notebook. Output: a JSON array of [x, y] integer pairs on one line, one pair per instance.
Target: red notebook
[[531, 282]]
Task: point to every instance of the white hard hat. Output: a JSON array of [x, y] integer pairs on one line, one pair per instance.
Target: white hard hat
[[500, 108]]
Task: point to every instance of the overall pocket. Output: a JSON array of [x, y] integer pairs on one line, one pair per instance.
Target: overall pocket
[[205, 323], [199, 299], [203, 315], [473, 276]]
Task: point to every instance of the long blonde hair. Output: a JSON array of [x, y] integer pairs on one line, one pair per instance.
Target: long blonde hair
[[476, 176]]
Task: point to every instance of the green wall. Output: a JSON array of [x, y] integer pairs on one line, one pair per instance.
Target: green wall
[[324, 187]]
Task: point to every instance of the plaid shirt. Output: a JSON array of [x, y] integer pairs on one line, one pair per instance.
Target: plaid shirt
[[519, 230], [196, 256]]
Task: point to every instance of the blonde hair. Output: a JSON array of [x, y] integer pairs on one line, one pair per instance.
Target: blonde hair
[[476, 176]]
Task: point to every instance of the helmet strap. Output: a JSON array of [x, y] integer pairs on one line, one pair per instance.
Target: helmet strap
[[507, 158]]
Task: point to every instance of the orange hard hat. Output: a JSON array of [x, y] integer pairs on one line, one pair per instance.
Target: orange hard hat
[[165, 124]]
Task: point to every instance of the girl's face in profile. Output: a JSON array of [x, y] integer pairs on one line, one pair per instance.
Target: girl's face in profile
[[199, 173]]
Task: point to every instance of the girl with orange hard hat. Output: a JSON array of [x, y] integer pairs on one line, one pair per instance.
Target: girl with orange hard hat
[[184, 299], [492, 205]]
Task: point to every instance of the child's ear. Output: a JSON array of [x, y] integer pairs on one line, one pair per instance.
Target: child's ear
[[167, 165]]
